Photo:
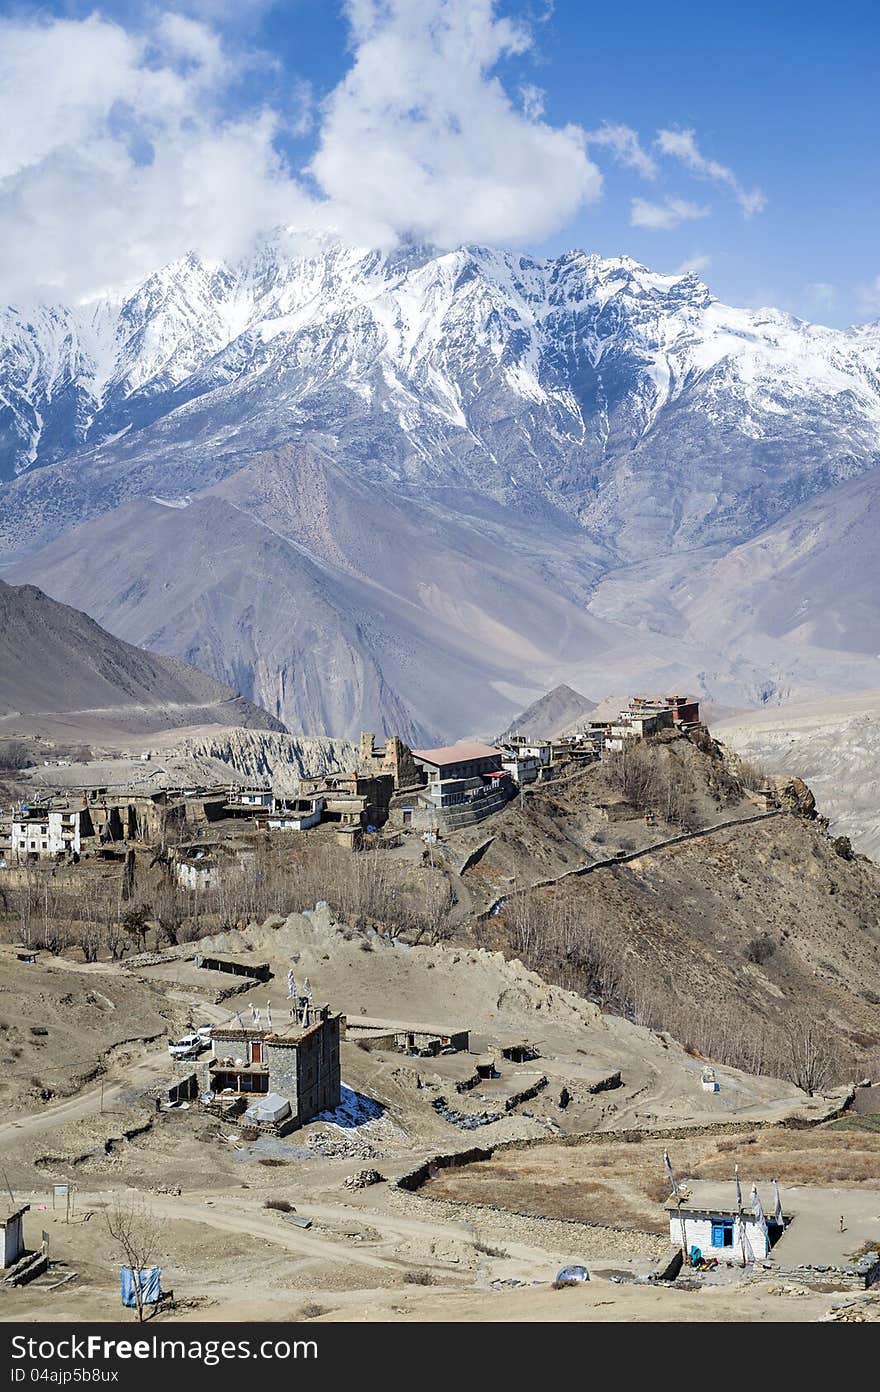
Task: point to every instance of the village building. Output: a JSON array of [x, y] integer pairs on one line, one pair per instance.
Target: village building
[[391, 756], [41, 833], [460, 773], [197, 872], [521, 767], [684, 710], [249, 798], [632, 724], [457, 763], [292, 814], [12, 1235], [710, 1218], [461, 783], [352, 800], [539, 750], [297, 1061], [406, 1037]]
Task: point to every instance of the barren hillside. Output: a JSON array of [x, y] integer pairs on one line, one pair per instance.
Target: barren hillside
[[734, 940], [59, 670]]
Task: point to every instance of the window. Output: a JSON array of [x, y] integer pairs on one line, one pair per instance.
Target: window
[[722, 1232]]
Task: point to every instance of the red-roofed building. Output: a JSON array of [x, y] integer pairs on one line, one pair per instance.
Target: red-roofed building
[[465, 760]]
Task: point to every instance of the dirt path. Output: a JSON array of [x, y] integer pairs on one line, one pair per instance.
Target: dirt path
[[614, 862], [142, 1074], [233, 1216]]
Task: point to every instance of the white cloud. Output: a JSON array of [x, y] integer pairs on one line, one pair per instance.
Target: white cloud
[[625, 145], [694, 265], [666, 215], [532, 101], [118, 157], [869, 298], [124, 148], [682, 145], [421, 139], [821, 293]]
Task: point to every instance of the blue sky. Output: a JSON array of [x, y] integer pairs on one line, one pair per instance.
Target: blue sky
[[212, 114]]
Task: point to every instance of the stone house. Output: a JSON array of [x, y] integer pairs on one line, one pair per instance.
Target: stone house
[[47, 833], [392, 756], [299, 1062]]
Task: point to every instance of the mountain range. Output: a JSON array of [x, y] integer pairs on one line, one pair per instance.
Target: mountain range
[[414, 491]]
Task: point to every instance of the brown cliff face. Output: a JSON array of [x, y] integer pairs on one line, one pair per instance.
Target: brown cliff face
[[795, 796]]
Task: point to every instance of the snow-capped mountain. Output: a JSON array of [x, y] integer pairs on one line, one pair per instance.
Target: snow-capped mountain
[[575, 380], [594, 415]]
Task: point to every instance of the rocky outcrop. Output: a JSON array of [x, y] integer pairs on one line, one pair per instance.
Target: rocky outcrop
[[268, 757], [794, 796]]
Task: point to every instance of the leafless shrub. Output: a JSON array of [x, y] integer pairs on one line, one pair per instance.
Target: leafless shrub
[[419, 1278], [752, 775], [760, 949], [485, 1250], [651, 777], [279, 1205], [16, 754], [135, 1231]]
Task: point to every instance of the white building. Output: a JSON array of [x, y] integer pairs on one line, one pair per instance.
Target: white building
[[708, 1216], [522, 767], [299, 815], [196, 874], [45, 834], [12, 1236], [540, 750], [253, 797]]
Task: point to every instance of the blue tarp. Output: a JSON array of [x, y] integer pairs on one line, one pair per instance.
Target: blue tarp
[[150, 1283]]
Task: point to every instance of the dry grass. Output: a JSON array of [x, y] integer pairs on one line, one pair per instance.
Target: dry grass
[[625, 1185]]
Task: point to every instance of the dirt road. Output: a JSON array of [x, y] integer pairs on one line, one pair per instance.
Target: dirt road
[[142, 1074]]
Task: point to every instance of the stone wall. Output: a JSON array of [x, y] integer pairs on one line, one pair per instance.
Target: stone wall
[[392, 756]]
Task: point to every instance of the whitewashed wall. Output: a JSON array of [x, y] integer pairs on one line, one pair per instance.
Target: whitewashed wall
[[698, 1232]]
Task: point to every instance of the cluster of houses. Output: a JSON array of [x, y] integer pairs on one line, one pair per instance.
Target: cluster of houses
[[619, 720], [393, 787]]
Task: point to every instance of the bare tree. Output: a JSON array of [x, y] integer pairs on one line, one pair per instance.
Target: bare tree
[[136, 1231], [812, 1055]]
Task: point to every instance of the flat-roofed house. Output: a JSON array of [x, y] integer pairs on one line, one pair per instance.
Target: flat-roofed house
[[708, 1215], [46, 833], [300, 1062]]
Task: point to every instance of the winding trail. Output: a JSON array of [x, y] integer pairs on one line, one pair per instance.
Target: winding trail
[[611, 861]]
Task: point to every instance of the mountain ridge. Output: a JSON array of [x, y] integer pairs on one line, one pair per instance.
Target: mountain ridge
[[56, 662], [474, 450]]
